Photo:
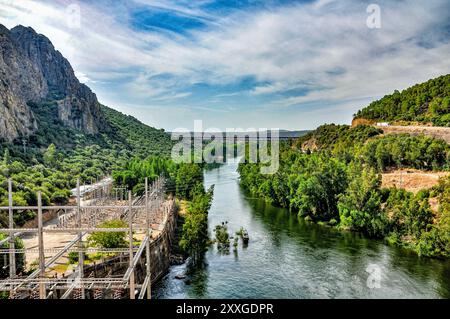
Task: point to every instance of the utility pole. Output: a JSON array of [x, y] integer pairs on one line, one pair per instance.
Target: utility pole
[[24, 143], [80, 241], [147, 247], [42, 288], [12, 245], [130, 215]]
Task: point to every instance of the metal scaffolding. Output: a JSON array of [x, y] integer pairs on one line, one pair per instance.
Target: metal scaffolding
[[140, 214]]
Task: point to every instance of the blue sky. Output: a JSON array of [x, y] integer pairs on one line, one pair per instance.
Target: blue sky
[[248, 64]]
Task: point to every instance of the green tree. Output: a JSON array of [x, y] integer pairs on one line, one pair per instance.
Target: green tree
[[189, 178], [359, 205], [59, 197], [419, 216], [109, 239], [322, 180], [50, 156], [195, 237], [20, 258], [436, 241]]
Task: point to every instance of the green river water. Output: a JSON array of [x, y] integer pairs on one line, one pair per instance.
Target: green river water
[[290, 258]]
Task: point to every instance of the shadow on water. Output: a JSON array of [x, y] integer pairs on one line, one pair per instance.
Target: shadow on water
[[197, 278], [288, 257]]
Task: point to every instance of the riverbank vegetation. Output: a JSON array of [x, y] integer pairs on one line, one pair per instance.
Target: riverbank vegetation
[[339, 183], [195, 237]]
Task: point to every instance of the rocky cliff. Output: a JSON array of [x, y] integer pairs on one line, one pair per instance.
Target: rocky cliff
[[32, 70]]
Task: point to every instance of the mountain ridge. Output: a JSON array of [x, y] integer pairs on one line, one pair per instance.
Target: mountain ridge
[[32, 70]]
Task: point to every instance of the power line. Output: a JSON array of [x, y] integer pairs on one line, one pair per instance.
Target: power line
[[37, 284]]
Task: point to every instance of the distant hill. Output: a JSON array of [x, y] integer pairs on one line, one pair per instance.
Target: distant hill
[[427, 102], [134, 135], [327, 136], [282, 134], [285, 134]]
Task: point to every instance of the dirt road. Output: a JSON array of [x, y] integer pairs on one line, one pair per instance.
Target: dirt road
[[433, 131]]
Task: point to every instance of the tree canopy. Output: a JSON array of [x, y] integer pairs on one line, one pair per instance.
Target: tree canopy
[[425, 102]]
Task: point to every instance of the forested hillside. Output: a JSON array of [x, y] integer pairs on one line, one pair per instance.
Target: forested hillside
[[135, 136], [52, 128], [52, 159], [332, 175], [427, 102]]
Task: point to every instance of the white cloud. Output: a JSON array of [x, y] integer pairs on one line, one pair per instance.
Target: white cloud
[[83, 77], [324, 46], [185, 8]]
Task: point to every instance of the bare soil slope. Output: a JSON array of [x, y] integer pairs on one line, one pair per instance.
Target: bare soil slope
[[411, 180]]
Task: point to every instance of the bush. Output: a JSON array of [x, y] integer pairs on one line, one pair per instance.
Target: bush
[[433, 244], [110, 239], [60, 197], [20, 258], [73, 257]]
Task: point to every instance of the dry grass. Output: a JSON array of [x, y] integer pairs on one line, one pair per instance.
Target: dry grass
[[60, 268], [411, 180]]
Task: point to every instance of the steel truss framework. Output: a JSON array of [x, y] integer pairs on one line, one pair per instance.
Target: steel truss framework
[[139, 213]]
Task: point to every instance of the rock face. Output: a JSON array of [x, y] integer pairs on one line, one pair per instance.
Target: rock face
[[32, 70], [16, 89]]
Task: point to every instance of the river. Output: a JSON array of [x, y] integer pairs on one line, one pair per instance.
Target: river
[[290, 258]]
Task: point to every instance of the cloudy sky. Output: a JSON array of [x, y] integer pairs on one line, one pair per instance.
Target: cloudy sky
[[242, 63]]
